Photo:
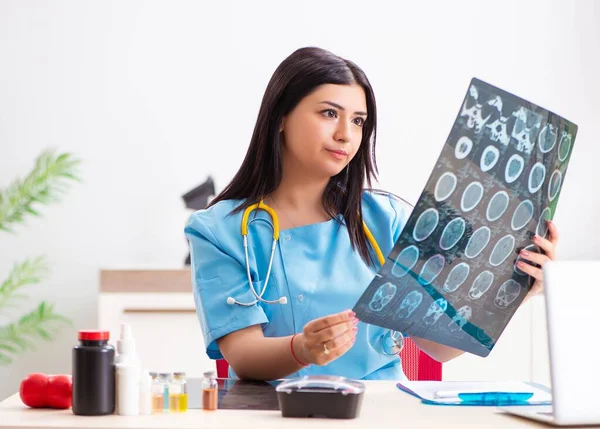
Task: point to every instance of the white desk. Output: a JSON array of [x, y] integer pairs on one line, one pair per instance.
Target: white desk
[[383, 405]]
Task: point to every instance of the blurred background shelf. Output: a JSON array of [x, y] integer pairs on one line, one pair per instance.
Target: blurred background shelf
[[159, 306]]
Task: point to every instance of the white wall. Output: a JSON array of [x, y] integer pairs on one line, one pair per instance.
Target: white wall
[[155, 96]]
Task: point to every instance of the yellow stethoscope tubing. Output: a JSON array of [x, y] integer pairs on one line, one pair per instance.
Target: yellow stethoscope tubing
[[262, 206], [259, 296], [374, 244]]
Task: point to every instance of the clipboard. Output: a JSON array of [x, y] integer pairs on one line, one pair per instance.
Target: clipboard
[[479, 393]]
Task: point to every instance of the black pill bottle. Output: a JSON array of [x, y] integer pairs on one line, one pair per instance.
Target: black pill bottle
[[93, 374]]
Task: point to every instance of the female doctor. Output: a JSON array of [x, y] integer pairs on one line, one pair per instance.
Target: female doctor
[[282, 308]]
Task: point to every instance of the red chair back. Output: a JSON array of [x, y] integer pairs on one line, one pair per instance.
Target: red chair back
[[222, 368], [416, 364]]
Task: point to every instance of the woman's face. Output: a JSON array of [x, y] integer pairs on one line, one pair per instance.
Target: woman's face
[[324, 131]]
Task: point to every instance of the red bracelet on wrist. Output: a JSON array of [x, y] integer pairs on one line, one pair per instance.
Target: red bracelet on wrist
[[294, 354]]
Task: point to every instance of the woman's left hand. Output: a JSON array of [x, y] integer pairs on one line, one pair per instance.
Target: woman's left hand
[[549, 247]]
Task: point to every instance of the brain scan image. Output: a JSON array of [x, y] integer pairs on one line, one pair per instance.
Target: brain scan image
[[409, 304], [435, 311], [507, 294], [514, 168], [406, 259], [547, 138], [522, 215], [382, 297], [489, 158], [472, 111], [463, 147], [452, 233], [499, 130], [542, 226], [463, 315], [457, 277], [537, 175], [426, 224], [564, 146], [445, 186], [431, 269], [554, 185], [502, 250], [481, 285], [483, 337], [452, 275], [471, 196], [477, 242], [525, 131], [497, 206]]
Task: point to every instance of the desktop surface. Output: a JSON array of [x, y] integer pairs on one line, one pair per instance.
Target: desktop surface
[[237, 394], [383, 405]]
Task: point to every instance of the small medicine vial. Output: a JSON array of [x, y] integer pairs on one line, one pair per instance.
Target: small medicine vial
[[178, 395], [210, 391], [164, 382]]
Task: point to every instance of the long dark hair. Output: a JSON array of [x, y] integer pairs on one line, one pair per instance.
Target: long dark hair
[[260, 174]]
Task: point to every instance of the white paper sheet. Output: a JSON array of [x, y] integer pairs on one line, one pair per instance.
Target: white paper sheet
[[427, 389]]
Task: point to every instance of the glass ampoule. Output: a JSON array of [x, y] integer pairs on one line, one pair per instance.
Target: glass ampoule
[[164, 382], [178, 396], [210, 391]]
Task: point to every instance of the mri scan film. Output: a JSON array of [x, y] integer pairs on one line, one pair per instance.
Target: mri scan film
[[452, 276]]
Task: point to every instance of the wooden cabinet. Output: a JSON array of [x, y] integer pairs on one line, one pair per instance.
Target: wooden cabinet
[[159, 306]]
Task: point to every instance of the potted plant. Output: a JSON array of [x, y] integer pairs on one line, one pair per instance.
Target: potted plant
[[45, 184]]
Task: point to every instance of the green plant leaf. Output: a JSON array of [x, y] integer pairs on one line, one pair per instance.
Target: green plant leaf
[[42, 333], [41, 323], [30, 271], [45, 184], [32, 211], [8, 348]]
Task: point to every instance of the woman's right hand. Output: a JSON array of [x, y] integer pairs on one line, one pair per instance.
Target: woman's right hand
[[326, 339]]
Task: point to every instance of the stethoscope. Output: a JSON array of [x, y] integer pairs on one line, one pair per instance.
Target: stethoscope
[[392, 341]]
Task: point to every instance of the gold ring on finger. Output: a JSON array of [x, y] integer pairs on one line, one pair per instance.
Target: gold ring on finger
[[325, 349]]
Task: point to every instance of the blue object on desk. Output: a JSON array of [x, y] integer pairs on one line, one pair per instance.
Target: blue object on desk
[[434, 393], [496, 398]]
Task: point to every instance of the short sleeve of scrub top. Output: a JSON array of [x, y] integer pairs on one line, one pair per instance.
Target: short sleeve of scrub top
[[314, 267]]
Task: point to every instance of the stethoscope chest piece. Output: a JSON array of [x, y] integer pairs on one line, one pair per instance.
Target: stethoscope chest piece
[[392, 342]]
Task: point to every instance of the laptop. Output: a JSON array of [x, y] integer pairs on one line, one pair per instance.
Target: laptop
[[573, 320]]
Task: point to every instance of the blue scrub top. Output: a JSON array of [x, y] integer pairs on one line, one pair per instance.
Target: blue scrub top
[[314, 266]]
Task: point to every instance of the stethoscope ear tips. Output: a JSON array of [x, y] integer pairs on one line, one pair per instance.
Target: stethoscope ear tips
[[230, 301], [283, 300]]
